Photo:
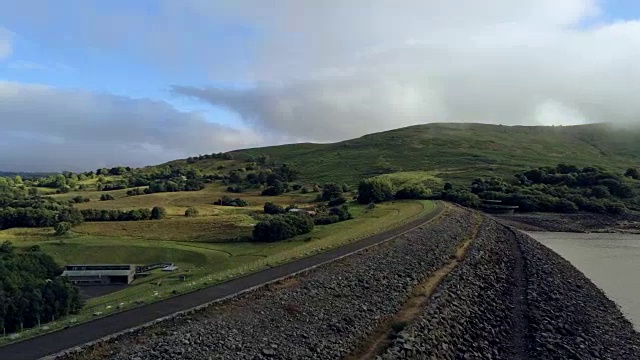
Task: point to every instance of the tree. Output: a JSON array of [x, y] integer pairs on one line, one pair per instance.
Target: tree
[[18, 180], [158, 213], [448, 186], [62, 228], [375, 190], [191, 212], [275, 190], [330, 191]]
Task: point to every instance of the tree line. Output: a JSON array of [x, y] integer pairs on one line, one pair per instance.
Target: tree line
[[563, 188], [156, 213]]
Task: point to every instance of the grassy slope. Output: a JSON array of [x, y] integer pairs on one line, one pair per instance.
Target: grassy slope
[[459, 151]]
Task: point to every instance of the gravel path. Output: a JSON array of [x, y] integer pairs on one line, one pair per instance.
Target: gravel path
[[322, 314]]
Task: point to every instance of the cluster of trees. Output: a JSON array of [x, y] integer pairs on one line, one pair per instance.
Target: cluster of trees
[[376, 190], [324, 216], [174, 185], [20, 210], [223, 156], [274, 180], [156, 213], [564, 188], [281, 227], [115, 185], [228, 201], [31, 290]]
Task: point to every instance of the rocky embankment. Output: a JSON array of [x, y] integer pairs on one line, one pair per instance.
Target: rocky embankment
[[508, 297], [570, 317], [473, 314], [322, 314]]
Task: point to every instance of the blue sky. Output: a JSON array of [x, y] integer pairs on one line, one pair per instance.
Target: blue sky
[[224, 74]]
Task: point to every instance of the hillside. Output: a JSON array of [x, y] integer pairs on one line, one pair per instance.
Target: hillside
[[459, 152]]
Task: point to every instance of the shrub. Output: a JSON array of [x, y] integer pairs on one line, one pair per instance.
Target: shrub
[[304, 190], [375, 190], [273, 209], [80, 199], [337, 201], [106, 197], [158, 213], [62, 228], [632, 173], [280, 227], [462, 197], [138, 191], [341, 212], [191, 212], [413, 192], [227, 201]]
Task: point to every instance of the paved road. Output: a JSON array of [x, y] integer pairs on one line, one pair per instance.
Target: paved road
[[87, 332]]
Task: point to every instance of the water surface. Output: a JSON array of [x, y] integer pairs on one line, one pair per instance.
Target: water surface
[[611, 261]]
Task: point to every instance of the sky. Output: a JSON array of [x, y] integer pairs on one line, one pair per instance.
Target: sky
[[86, 84]]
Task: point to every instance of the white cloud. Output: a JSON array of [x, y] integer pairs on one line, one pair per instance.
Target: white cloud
[[6, 46], [334, 70], [45, 128]]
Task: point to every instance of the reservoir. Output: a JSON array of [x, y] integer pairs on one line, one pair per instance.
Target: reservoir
[[611, 261]]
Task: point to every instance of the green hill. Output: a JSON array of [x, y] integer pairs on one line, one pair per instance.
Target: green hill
[[457, 152]]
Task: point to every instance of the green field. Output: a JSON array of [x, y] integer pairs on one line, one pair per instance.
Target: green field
[[202, 263], [458, 152]]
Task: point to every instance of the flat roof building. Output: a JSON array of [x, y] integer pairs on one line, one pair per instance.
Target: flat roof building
[[100, 274]]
